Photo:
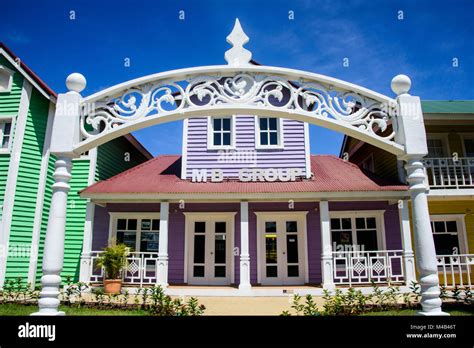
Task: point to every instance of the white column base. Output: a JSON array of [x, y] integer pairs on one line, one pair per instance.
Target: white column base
[[433, 314], [409, 264], [328, 281], [162, 271], [84, 272], [244, 284], [48, 314]]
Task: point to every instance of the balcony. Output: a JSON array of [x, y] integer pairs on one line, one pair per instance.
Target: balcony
[[141, 268], [456, 270], [447, 173], [364, 267]]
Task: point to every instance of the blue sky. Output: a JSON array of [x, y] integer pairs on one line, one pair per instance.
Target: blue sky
[[378, 44]]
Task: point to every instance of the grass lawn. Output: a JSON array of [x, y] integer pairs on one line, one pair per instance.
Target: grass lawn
[[17, 309], [455, 310]]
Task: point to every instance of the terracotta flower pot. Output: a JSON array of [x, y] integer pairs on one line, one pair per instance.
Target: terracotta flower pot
[[112, 286]]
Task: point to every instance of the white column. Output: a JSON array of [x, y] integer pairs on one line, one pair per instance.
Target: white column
[[410, 132], [53, 256], [162, 264], [244, 248], [65, 135], [424, 243], [408, 256], [326, 255], [85, 267]]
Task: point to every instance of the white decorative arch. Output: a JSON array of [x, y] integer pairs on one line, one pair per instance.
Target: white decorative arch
[[249, 89], [238, 88]]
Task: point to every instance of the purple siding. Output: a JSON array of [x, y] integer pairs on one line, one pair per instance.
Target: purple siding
[[177, 230], [100, 232], [291, 156]]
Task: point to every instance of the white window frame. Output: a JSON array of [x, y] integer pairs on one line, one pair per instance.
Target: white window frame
[[7, 119], [114, 217], [379, 224], [461, 225], [10, 73], [190, 218], [210, 133], [444, 138], [280, 138], [262, 217]]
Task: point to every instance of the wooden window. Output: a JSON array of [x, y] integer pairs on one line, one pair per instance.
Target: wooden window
[[436, 147], [139, 234], [221, 132], [447, 234], [363, 231], [268, 132]]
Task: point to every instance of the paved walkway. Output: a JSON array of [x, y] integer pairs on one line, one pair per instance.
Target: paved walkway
[[248, 305]]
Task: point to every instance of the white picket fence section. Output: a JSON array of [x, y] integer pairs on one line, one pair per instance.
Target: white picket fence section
[[449, 173], [365, 267], [456, 270], [141, 268]]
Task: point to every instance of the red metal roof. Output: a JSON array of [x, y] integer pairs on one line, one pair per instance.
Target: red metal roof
[[161, 175]]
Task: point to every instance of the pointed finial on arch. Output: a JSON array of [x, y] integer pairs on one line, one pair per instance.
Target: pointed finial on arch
[[238, 55]]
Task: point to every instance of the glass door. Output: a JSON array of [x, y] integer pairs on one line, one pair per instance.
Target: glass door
[[282, 250], [209, 246]]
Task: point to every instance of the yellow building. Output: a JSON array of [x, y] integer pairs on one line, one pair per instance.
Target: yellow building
[[450, 177]]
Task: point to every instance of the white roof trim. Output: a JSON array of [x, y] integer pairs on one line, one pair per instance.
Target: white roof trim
[[26, 75]]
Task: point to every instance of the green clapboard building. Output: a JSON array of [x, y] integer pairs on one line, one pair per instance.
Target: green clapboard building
[[27, 107]]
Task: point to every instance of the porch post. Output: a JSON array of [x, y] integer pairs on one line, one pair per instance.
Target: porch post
[[408, 256], [326, 256], [162, 263], [411, 133], [65, 135], [85, 268], [244, 248]]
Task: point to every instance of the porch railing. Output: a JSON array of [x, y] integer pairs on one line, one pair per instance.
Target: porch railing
[[365, 267], [450, 173], [141, 268], [456, 270]]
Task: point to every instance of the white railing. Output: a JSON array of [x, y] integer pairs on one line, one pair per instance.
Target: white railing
[[141, 268], [450, 173], [365, 267], [456, 270]]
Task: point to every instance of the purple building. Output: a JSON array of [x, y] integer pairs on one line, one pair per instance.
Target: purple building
[[247, 207]]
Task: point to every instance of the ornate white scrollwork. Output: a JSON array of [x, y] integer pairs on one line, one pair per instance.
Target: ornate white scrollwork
[[248, 89]]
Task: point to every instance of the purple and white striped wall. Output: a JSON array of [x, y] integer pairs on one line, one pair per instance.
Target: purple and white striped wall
[[198, 156]]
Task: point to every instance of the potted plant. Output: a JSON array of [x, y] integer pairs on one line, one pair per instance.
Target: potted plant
[[113, 260]]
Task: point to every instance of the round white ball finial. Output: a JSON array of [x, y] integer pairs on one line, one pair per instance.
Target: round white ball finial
[[401, 84], [76, 82]]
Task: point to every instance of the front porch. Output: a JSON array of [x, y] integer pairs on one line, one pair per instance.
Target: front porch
[[254, 248], [351, 269]]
